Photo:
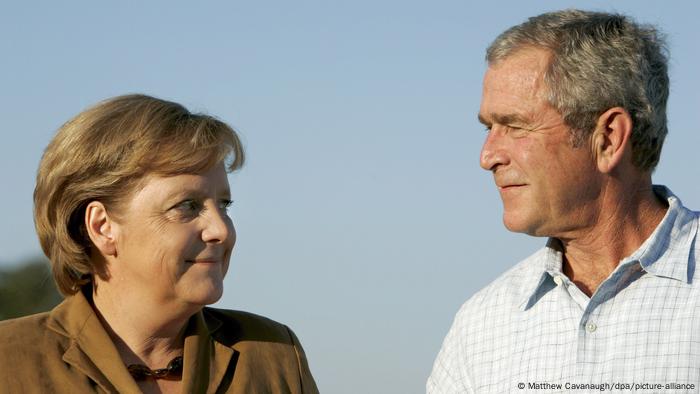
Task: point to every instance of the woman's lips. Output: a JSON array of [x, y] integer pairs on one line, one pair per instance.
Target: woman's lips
[[203, 261]]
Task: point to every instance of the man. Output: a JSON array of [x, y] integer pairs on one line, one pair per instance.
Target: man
[[575, 107]]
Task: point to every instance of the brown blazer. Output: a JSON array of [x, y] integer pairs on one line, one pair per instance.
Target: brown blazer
[[68, 351]]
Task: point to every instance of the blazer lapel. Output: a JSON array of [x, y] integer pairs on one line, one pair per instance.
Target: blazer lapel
[[222, 358], [79, 360], [206, 360], [91, 350], [195, 371]]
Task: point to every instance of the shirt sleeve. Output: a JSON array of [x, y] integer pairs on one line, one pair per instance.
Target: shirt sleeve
[[447, 376]]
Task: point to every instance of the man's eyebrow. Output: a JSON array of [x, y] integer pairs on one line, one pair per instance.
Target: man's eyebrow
[[503, 119]]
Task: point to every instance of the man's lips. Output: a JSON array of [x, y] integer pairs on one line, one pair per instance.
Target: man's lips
[[510, 186]]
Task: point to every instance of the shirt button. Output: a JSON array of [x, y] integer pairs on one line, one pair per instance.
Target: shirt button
[[558, 280], [591, 327]]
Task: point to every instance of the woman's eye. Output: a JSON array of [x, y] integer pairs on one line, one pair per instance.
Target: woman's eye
[[225, 204], [188, 206]]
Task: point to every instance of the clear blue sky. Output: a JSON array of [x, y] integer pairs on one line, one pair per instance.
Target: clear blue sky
[[363, 218]]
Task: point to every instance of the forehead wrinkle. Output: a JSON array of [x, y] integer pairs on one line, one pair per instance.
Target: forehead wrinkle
[[507, 119], [503, 119], [525, 68]]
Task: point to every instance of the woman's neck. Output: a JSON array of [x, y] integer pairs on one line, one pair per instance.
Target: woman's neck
[[143, 333]]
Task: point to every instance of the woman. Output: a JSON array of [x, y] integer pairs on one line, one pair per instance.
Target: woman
[[130, 207]]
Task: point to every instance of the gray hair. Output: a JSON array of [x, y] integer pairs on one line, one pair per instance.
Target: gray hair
[[599, 61]]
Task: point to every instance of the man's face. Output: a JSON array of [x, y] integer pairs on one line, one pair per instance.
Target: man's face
[[547, 186]]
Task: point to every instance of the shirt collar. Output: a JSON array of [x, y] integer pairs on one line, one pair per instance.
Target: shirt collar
[[665, 253], [548, 263]]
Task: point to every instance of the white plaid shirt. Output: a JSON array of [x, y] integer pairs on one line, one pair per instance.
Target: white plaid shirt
[[533, 330]]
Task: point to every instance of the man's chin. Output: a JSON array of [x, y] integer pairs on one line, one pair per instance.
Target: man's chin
[[520, 225]]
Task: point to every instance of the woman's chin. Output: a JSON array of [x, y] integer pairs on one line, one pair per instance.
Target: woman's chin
[[212, 297], [204, 288], [204, 295]]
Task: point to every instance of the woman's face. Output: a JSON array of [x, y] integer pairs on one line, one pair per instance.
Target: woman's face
[[174, 239]]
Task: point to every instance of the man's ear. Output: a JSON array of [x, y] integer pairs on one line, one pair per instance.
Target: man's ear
[[611, 138], [101, 228]]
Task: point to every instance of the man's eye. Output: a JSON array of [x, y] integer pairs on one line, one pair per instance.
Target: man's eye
[[519, 131]]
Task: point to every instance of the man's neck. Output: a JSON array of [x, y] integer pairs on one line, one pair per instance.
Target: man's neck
[[625, 221]]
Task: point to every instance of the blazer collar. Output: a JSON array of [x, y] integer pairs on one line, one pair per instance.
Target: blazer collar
[[92, 352]]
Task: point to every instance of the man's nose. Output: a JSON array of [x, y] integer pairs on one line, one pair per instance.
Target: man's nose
[[494, 152]]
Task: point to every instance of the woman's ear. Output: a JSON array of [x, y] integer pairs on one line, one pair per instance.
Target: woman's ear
[[101, 228], [611, 138]]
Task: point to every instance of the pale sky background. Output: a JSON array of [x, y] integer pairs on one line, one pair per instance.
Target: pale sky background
[[363, 218]]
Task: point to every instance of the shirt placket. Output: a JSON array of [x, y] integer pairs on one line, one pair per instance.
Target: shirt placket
[[592, 335]]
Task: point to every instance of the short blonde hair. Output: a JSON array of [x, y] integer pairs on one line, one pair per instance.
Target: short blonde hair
[[102, 154]]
